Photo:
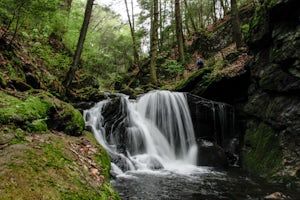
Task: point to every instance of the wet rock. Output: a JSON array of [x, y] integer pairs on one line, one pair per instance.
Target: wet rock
[[213, 121], [121, 162], [276, 196], [211, 154], [115, 122], [148, 161], [154, 164]]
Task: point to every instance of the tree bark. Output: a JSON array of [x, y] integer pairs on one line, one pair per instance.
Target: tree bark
[[154, 42], [87, 15], [132, 31], [214, 11], [236, 27], [224, 7], [190, 16], [179, 34], [200, 14]]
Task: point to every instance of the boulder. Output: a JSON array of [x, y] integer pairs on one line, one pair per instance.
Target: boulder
[[212, 155], [40, 112]]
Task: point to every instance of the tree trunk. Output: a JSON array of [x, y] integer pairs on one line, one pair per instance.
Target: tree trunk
[[214, 11], [132, 31], [236, 27], [79, 48], [179, 34], [200, 14], [224, 7], [190, 16], [154, 42]]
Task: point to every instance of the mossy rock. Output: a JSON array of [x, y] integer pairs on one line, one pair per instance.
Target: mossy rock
[[40, 111], [55, 166], [72, 118], [263, 154], [197, 77], [30, 112], [64, 117]]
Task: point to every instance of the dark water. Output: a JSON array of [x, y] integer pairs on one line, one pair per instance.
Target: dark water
[[203, 184]]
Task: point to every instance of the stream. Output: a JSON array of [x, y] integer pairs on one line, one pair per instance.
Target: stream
[[200, 183], [155, 152]]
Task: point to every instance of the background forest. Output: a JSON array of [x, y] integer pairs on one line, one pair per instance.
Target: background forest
[[155, 44]]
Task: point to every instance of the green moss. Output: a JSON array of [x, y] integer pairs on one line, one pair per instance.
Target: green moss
[[48, 168], [35, 111], [263, 155], [38, 125], [261, 15], [2, 81], [108, 192], [74, 123], [31, 112], [19, 136], [102, 157], [196, 77]]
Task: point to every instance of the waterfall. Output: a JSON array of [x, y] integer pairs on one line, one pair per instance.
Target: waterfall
[[152, 132]]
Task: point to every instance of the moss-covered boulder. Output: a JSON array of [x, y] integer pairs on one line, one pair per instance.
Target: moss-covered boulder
[[197, 82], [54, 166], [39, 111], [64, 117], [29, 113]]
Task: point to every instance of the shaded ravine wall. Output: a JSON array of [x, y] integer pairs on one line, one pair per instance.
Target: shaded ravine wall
[[272, 140], [266, 97]]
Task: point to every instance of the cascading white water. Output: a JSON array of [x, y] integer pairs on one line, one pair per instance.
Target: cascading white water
[[159, 130]]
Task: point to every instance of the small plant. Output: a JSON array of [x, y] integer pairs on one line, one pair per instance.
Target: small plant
[[172, 68]]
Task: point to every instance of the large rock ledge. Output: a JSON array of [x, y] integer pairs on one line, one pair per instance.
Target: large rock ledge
[[272, 142], [53, 165], [45, 152]]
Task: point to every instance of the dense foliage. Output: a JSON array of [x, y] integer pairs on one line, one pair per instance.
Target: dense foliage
[[108, 53]]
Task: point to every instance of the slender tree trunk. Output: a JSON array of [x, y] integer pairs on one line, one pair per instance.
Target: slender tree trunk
[[186, 26], [173, 38], [225, 10], [214, 11], [154, 42], [132, 31], [236, 27], [179, 34], [190, 16], [79, 48], [18, 16], [161, 24], [200, 14]]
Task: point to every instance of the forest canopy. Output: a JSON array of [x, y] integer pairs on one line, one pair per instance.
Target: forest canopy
[[153, 41]]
